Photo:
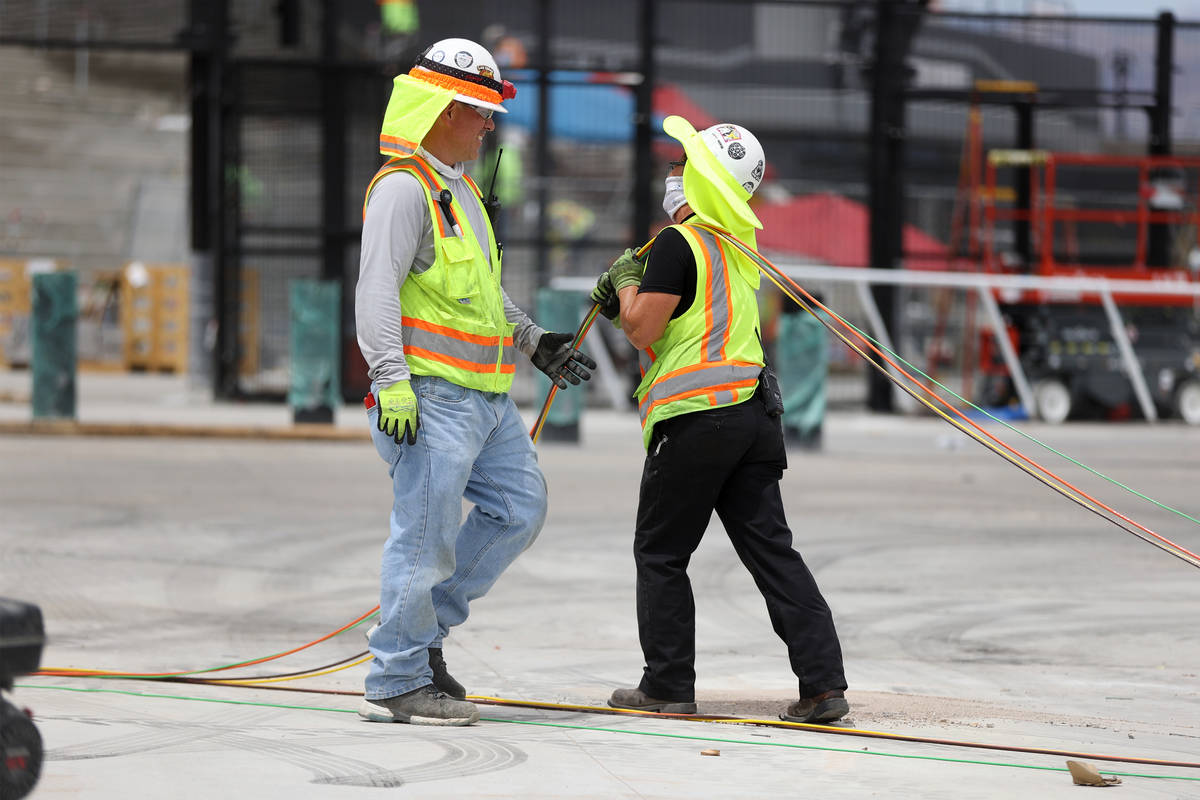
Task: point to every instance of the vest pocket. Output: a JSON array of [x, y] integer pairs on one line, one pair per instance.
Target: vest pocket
[[458, 269]]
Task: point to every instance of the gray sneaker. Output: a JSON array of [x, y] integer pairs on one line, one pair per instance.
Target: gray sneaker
[[442, 679], [424, 706]]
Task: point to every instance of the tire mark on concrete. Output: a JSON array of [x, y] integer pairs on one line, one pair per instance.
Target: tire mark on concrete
[[460, 757]]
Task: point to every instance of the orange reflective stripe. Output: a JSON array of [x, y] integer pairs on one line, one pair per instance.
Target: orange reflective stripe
[[415, 166], [397, 146], [454, 333], [684, 395], [425, 174], [473, 185]]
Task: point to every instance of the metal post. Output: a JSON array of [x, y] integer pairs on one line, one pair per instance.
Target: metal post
[[1022, 242], [895, 25], [333, 145], [334, 117], [1158, 252], [206, 36], [644, 133], [1164, 67], [543, 144]]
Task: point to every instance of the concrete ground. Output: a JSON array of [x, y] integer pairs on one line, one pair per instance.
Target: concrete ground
[[973, 603]]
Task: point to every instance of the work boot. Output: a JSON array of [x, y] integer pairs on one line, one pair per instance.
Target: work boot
[[825, 707], [638, 700], [443, 681], [423, 706]]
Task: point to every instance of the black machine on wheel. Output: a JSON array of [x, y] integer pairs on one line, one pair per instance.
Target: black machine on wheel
[[1126, 219], [21, 639]]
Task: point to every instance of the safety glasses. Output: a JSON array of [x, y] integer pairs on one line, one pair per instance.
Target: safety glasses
[[486, 113]]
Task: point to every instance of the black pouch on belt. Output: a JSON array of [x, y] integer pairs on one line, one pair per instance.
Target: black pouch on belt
[[771, 396]]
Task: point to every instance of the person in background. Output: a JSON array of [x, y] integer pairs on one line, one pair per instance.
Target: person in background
[[439, 336]]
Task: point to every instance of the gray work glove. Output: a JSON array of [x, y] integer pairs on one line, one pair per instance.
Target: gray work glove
[[560, 361]]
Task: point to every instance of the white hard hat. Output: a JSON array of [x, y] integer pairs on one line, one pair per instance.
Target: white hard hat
[[738, 151], [468, 68]]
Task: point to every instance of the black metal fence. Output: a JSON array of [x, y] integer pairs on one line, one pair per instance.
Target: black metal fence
[[284, 100]]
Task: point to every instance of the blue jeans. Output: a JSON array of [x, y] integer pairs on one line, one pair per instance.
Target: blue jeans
[[471, 444]]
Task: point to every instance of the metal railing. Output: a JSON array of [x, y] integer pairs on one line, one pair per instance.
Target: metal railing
[[986, 286]]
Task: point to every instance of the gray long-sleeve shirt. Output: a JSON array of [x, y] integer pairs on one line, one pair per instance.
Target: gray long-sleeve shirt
[[397, 238]]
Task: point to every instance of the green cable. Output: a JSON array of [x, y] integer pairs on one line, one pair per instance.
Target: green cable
[[1027, 436], [184, 697], [765, 265], [617, 730]]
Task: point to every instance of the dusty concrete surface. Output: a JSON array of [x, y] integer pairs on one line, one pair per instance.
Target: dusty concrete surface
[[973, 603]]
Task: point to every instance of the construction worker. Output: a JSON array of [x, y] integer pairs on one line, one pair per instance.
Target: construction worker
[[439, 335], [711, 428]]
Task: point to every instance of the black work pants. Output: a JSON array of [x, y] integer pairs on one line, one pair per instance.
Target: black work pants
[[729, 460]]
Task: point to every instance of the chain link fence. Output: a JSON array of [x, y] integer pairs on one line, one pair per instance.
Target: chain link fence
[[100, 89]]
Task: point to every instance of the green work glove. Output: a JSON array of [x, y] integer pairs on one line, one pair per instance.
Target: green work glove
[[398, 415], [626, 271], [560, 361], [605, 296]]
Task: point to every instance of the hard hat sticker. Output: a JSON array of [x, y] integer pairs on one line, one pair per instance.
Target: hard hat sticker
[[463, 59], [486, 71], [438, 56], [729, 133], [736, 151]]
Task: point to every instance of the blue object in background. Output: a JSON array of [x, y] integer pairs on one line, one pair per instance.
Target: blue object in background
[[315, 386], [561, 310], [53, 322], [579, 109]]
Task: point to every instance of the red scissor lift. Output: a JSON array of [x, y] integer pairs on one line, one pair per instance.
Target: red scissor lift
[[1143, 224]]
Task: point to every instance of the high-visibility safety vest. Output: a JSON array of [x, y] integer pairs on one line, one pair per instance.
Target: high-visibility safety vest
[[453, 313], [710, 355]]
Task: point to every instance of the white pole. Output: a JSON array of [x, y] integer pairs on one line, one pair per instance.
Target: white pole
[[1131, 363]]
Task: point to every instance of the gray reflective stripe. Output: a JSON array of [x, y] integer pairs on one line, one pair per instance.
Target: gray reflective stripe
[[645, 361], [483, 354], [723, 397], [700, 380], [719, 292], [396, 146]]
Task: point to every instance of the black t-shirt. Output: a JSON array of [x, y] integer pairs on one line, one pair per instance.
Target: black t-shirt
[[671, 269]]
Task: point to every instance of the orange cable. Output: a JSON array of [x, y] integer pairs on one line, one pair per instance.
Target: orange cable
[[748, 251]]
